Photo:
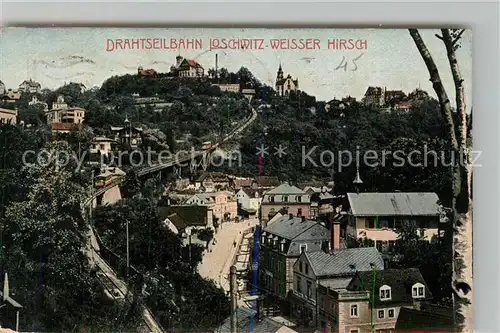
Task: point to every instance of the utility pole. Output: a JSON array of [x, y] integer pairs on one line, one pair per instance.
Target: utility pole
[[233, 287], [128, 253], [190, 261], [374, 277]]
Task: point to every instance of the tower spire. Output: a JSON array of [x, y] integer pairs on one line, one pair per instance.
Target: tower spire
[[357, 181]]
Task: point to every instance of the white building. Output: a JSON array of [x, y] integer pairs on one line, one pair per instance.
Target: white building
[[36, 101], [102, 145], [248, 199]]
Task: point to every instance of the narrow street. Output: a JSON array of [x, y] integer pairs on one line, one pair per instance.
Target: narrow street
[[216, 264]]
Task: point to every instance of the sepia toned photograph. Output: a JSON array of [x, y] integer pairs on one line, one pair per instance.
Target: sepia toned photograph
[[236, 180]]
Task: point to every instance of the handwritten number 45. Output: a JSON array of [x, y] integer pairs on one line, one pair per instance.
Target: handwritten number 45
[[344, 63]]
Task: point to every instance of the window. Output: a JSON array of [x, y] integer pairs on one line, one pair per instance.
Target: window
[[390, 313], [285, 198], [303, 248], [418, 290], [300, 266], [307, 269], [309, 289], [371, 222], [299, 198], [385, 293], [282, 247], [271, 199], [354, 311], [298, 285], [299, 212], [381, 314], [354, 330]]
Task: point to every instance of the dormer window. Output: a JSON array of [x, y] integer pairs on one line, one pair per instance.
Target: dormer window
[[418, 290], [385, 293], [299, 198], [285, 198], [271, 199]]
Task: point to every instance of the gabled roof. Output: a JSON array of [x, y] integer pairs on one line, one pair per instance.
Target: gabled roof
[[217, 177], [344, 262], [65, 126], [412, 319], [289, 228], [394, 204], [177, 221], [285, 188], [103, 139], [267, 181], [31, 83], [191, 63], [401, 282], [119, 128], [190, 215], [242, 182], [373, 91]]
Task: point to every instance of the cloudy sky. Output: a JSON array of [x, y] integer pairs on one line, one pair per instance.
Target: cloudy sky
[[53, 56]]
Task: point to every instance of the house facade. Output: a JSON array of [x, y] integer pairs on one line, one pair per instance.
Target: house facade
[[294, 200], [378, 216], [187, 68], [222, 203], [358, 309], [8, 116], [183, 219], [285, 85], [281, 243], [35, 101], [334, 268], [11, 96], [128, 134], [248, 199], [374, 96], [212, 182], [265, 182], [229, 87], [102, 145], [30, 86], [61, 117]]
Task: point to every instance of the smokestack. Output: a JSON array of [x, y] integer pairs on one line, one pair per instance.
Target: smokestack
[[233, 288], [217, 66]]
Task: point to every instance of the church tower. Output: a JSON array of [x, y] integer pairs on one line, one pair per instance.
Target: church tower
[[280, 74]]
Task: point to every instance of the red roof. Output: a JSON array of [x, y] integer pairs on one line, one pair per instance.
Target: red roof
[[192, 63], [64, 126], [146, 72], [404, 105]]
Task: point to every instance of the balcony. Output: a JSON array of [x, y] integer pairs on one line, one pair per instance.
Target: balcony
[[304, 297], [351, 295]]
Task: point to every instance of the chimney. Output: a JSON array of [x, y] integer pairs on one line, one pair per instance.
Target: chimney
[[216, 66], [290, 216], [335, 236]]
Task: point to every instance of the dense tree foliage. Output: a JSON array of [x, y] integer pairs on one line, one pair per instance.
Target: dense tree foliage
[[177, 295], [318, 141], [43, 242]]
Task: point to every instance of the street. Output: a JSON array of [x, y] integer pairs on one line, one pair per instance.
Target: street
[[216, 264]]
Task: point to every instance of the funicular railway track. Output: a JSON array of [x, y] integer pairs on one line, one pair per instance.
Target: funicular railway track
[[115, 287]]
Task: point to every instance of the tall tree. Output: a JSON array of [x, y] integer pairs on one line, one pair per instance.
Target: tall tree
[[461, 188]]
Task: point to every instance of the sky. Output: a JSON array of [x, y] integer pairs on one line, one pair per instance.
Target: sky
[[54, 56]]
